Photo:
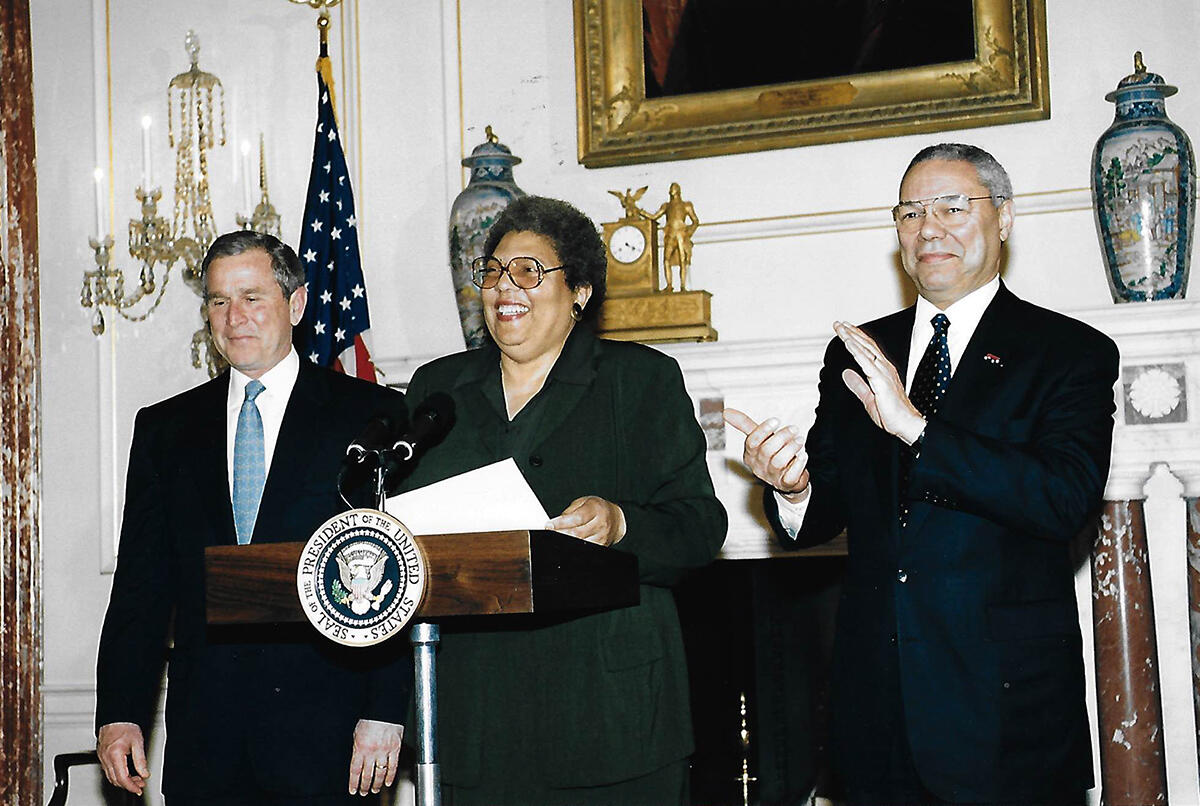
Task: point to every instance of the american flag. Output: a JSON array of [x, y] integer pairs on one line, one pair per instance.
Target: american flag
[[333, 332]]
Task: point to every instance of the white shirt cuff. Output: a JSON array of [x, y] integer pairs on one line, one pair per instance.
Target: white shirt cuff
[[791, 516]]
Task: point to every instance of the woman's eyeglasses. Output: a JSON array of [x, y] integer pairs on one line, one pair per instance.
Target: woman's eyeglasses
[[525, 272]]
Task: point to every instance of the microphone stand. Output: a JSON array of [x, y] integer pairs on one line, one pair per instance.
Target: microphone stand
[[424, 637]]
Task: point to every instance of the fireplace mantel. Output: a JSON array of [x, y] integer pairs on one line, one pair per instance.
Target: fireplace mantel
[[1160, 374]]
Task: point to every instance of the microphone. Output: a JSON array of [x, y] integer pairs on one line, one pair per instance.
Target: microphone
[[429, 423], [375, 438]]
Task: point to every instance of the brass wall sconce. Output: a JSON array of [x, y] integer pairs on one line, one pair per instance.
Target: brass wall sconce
[[195, 125]]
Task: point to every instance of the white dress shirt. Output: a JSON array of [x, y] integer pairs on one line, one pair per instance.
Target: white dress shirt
[[964, 316], [277, 383]]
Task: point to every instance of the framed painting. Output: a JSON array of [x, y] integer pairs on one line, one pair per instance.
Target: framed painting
[[675, 79]]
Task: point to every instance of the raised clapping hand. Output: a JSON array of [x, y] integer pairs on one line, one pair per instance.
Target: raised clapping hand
[[882, 392], [591, 518], [776, 455]]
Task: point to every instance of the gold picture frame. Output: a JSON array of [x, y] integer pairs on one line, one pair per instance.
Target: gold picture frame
[[1008, 81]]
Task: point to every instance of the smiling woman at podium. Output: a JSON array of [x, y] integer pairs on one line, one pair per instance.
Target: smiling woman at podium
[[592, 709]]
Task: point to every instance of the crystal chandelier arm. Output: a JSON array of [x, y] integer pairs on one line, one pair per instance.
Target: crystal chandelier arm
[[162, 288]]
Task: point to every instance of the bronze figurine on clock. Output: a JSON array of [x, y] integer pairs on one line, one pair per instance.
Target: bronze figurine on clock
[[679, 224]]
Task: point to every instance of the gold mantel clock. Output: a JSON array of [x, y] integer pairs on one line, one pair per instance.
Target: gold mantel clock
[[632, 247], [638, 308]]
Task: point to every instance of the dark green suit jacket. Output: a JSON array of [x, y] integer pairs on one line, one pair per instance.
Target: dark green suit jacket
[[601, 697]]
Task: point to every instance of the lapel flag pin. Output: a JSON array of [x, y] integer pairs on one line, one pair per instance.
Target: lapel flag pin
[[992, 358]]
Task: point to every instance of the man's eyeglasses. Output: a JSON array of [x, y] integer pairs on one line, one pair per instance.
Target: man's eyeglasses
[[951, 211], [525, 272]]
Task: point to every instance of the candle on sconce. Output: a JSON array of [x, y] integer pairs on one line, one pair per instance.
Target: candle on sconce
[[101, 230], [247, 184], [262, 164], [147, 167]]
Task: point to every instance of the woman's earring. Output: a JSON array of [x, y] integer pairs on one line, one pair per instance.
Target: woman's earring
[[577, 312]]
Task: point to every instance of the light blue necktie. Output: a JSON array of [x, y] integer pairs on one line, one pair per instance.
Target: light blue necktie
[[249, 464]]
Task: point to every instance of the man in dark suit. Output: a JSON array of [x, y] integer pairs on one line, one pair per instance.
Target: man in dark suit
[[961, 443], [259, 715]]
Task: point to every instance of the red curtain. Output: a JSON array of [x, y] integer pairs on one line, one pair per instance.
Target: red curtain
[[662, 24]]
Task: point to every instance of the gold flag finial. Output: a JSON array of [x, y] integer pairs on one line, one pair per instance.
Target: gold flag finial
[[323, 23]]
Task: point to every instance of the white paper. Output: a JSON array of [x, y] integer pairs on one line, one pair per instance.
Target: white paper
[[491, 498]]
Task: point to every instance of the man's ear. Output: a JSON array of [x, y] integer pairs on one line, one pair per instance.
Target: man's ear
[[296, 305], [1006, 214]]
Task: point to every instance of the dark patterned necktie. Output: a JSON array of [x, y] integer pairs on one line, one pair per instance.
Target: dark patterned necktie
[[928, 388], [933, 372]]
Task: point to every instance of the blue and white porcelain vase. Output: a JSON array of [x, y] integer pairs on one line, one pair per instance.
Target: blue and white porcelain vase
[[488, 192], [1143, 191]]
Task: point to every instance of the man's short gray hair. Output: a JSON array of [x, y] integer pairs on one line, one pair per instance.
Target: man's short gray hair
[[991, 173], [289, 274]]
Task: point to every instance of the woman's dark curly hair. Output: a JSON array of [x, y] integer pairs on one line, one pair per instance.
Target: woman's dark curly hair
[[570, 232]]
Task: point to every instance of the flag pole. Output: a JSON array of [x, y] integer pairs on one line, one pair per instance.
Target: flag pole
[[323, 23], [333, 331], [324, 66]]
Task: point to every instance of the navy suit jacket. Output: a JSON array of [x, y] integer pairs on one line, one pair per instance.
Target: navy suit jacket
[[278, 700], [967, 618]]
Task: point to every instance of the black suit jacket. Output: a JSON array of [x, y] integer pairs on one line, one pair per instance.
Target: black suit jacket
[[967, 618], [278, 700]]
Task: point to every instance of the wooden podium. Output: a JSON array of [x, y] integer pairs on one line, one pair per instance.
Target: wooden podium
[[474, 574]]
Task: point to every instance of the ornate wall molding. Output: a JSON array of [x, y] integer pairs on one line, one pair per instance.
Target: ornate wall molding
[[869, 218], [108, 453]]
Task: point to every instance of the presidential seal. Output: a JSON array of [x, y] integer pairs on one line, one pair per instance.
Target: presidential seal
[[361, 577]]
